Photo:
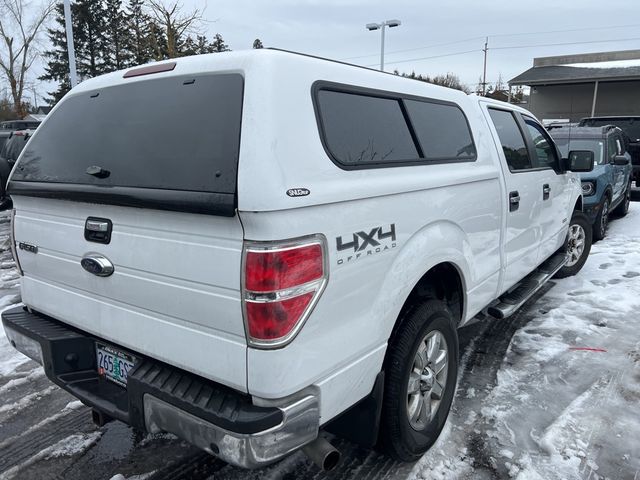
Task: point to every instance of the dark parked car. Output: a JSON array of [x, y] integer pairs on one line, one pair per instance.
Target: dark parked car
[[9, 126], [9, 153], [607, 188], [19, 125], [630, 125]]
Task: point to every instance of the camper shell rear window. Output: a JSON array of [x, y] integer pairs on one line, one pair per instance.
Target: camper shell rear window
[[168, 143]]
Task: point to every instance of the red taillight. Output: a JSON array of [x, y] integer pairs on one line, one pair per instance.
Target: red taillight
[[276, 270], [272, 320], [282, 283]]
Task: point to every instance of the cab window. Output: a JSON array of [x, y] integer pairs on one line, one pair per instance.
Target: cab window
[[545, 152], [513, 144]]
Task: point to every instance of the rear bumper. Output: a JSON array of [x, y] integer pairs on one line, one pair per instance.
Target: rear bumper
[[162, 398]]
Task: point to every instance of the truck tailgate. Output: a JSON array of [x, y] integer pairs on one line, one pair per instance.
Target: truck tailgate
[[175, 291]]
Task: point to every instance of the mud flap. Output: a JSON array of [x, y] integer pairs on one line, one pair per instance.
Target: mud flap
[[361, 423]]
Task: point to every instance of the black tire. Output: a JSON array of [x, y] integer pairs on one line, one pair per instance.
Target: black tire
[[622, 209], [602, 220], [581, 220], [398, 438]]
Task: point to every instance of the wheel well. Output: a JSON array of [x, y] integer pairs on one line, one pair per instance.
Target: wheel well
[[443, 282], [578, 205]]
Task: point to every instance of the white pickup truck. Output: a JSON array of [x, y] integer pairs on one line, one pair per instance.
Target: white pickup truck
[[246, 249]]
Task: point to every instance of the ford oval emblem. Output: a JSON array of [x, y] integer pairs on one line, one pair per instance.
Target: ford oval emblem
[[97, 264]]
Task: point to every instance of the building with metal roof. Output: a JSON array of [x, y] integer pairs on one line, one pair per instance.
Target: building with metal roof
[[569, 87]]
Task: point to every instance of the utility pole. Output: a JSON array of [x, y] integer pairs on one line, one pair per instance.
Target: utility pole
[[73, 77], [35, 97], [484, 73]]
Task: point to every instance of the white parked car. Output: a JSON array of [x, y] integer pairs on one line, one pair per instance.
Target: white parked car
[[247, 248]]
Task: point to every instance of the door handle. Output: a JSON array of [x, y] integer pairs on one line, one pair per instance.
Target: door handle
[[546, 190], [514, 201]]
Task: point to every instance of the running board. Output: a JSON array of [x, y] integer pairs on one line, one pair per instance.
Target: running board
[[527, 287]]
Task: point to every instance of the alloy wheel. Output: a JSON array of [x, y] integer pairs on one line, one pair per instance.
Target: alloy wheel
[[605, 217], [427, 380], [575, 244]]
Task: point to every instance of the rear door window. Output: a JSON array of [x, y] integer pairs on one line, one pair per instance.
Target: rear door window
[[545, 151], [513, 143], [171, 133]]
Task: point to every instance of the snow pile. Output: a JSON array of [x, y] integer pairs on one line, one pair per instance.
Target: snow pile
[[72, 445]]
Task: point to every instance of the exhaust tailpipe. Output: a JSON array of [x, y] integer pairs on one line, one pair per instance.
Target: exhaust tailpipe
[[322, 453], [99, 418]]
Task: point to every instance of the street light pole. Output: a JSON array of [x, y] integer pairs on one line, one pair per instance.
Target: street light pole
[[73, 77], [382, 48], [381, 26]]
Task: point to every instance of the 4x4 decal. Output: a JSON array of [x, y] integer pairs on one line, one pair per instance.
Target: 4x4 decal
[[366, 243]]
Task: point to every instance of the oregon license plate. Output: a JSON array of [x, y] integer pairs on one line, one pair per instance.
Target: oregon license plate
[[113, 364]]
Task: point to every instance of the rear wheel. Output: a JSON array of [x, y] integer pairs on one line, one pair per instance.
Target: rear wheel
[[577, 246], [622, 209], [602, 220], [420, 379]]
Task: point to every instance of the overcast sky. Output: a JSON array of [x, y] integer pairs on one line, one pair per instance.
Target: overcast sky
[[336, 29]]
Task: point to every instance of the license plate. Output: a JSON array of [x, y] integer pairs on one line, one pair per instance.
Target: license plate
[[113, 364]]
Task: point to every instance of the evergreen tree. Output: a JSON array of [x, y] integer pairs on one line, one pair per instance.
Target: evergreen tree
[[57, 67], [141, 32], [257, 43], [218, 44], [109, 36], [196, 47], [91, 41], [118, 35]]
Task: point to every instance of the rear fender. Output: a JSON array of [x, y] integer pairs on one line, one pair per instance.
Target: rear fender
[[439, 242]]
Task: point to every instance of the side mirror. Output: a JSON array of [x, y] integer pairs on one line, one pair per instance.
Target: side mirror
[[580, 161], [620, 160]]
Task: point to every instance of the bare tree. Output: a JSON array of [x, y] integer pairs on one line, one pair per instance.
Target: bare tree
[[20, 26], [175, 22]]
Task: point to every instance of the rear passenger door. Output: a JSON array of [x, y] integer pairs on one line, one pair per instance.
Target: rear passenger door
[[554, 191], [523, 186]]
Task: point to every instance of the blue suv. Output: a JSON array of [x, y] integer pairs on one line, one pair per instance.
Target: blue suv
[[607, 188]]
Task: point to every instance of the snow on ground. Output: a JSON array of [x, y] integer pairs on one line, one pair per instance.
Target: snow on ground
[[565, 403]]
